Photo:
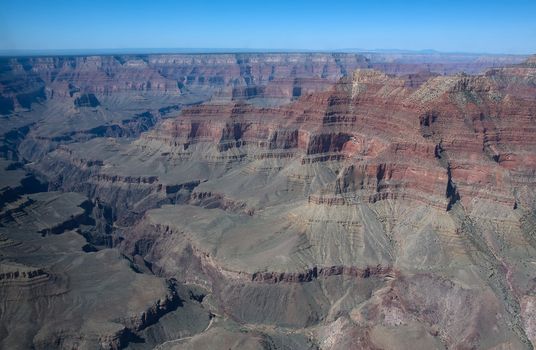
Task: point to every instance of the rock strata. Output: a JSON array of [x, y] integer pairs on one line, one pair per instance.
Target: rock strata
[[305, 201]]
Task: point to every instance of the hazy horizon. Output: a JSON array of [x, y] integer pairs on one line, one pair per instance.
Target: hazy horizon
[[166, 51]]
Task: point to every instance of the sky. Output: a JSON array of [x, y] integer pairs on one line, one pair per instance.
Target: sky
[[449, 26]]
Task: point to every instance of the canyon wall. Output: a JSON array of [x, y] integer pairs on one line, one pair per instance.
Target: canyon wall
[[323, 201]]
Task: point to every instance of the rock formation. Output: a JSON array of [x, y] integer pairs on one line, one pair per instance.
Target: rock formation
[[304, 201]]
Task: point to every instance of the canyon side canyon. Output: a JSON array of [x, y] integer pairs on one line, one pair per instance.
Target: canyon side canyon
[[301, 201]]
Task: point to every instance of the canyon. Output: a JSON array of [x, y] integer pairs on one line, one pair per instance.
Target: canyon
[[268, 201]]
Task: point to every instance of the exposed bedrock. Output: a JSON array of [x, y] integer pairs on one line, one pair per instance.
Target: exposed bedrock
[[291, 298], [67, 296], [128, 197], [376, 294], [374, 122], [30, 80], [379, 138], [265, 197]]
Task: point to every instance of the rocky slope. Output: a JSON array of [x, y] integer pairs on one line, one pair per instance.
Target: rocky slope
[[301, 201]]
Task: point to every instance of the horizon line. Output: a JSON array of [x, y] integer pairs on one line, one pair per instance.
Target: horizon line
[[179, 50]]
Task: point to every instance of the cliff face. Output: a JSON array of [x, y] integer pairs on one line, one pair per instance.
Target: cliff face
[[280, 76], [231, 76], [451, 138], [308, 198]]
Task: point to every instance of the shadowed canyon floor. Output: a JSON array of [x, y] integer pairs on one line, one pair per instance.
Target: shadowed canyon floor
[[268, 201]]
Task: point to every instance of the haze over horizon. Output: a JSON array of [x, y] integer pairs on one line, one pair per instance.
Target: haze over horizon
[[478, 27]]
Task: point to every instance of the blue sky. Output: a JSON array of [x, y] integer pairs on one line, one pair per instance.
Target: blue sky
[[467, 26]]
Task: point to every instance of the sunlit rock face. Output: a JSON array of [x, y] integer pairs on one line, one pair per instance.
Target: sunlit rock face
[[304, 201]]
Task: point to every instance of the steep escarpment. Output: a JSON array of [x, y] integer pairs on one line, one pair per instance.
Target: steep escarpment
[[78, 98], [346, 127]]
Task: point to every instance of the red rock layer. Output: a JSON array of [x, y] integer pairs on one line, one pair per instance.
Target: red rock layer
[[449, 138]]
